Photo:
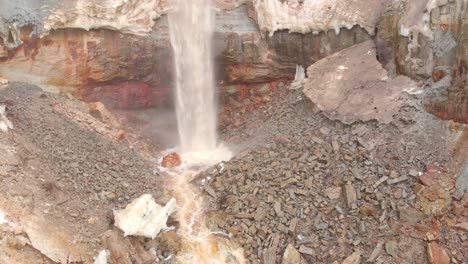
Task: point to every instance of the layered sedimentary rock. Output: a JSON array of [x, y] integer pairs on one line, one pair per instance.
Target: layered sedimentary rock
[[318, 15], [428, 41], [118, 51], [127, 70]]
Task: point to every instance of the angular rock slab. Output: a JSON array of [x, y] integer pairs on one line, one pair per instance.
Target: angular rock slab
[[52, 241], [292, 256], [352, 86], [144, 217]]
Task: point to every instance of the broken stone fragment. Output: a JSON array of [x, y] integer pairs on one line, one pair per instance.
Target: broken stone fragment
[[144, 217], [367, 210], [333, 193], [437, 255], [292, 256], [354, 258], [171, 160], [428, 179], [52, 241], [102, 257], [306, 250], [3, 81], [390, 247], [99, 111], [332, 86], [5, 124], [411, 215], [277, 208], [375, 253], [350, 195]]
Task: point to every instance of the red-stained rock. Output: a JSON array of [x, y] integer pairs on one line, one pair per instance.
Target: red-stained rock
[[121, 135], [437, 75], [449, 104], [99, 111], [432, 168], [428, 179], [124, 95], [458, 208], [128, 71], [171, 160], [437, 255]]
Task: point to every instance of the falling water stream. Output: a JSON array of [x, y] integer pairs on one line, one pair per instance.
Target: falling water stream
[[191, 27]]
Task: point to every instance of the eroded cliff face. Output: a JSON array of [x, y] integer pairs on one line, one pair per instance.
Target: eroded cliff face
[[427, 41], [118, 51], [129, 70]]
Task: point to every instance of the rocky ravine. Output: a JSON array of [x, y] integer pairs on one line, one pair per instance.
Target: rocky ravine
[[304, 189], [119, 51]]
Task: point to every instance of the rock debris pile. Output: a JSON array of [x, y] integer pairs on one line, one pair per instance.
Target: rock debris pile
[[333, 192]]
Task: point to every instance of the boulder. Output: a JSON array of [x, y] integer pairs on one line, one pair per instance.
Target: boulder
[[144, 217], [171, 160], [351, 85]]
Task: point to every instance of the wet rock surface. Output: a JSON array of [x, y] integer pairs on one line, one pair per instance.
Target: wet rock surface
[[171, 160]]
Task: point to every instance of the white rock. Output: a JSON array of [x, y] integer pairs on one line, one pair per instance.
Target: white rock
[[5, 124], [144, 217], [299, 78], [3, 219], [102, 257], [3, 81]]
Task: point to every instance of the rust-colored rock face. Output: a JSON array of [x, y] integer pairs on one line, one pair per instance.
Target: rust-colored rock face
[[449, 103], [126, 62], [124, 95], [128, 71], [123, 71]]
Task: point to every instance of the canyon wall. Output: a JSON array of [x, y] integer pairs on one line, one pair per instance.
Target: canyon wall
[[122, 67], [118, 51]]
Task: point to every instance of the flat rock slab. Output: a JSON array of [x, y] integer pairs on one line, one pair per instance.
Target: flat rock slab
[[462, 181], [52, 241], [352, 86]]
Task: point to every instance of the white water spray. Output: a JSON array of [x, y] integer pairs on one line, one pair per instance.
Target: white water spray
[[191, 29]]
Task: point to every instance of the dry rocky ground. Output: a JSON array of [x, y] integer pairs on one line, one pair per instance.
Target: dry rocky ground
[[328, 189], [63, 170], [302, 188]]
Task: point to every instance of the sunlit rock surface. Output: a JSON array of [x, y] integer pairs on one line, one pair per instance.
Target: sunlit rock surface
[[144, 217], [334, 87]]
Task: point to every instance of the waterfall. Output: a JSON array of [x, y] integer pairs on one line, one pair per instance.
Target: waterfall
[[191, 30]]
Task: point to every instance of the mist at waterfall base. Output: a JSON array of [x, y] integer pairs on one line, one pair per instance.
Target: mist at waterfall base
[[191, 31], [191, 26]]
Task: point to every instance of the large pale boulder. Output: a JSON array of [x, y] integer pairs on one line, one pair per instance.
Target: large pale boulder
[[352, 85]]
